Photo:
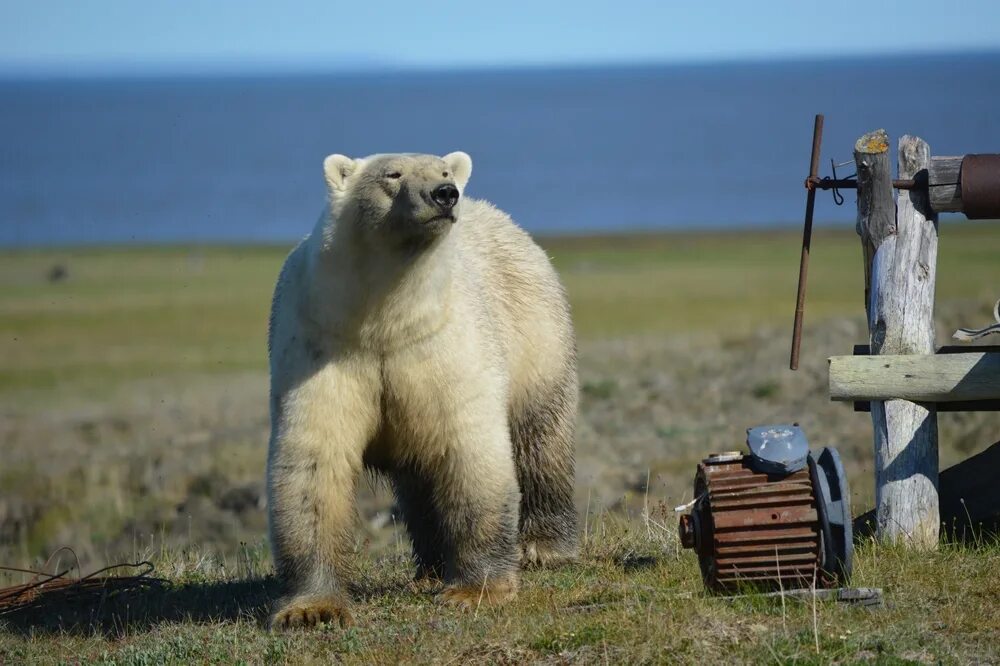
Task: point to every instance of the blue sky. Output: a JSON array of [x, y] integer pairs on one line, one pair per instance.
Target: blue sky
[[69, 36]]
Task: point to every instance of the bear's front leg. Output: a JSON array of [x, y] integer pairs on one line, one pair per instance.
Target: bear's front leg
[[478, 502], [319, 432]]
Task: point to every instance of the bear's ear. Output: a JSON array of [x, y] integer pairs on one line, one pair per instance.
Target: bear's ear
[[461, 166], [337, 168]]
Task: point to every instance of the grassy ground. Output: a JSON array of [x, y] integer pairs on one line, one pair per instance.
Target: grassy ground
[[134, 422], [133, 313], [633, 598]]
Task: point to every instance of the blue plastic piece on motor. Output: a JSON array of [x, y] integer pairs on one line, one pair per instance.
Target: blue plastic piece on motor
[[777, 449]]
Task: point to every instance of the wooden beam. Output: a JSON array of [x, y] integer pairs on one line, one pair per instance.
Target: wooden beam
[[900, 321], [971, 406], [919, 378], [944, 184]]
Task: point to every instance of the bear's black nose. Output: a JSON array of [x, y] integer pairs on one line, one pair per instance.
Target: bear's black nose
[[445, 195]]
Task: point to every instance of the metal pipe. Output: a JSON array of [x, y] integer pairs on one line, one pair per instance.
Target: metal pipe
[[800, 299], [980, 180]]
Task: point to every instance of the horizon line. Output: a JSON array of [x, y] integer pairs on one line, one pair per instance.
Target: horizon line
[[362, 65]]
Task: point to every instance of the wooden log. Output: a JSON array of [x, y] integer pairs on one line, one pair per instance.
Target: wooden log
[[919, 378], [900, 321], [944, 184], [876, 209], [958, 406]]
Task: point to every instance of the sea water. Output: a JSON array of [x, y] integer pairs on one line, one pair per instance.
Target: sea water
[[585, 150]]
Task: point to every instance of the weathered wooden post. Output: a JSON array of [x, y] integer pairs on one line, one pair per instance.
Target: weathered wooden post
[[900, 377], [900, 248]]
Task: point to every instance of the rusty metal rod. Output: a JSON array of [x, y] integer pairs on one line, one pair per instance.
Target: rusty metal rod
[[800, 299], [812, 183]]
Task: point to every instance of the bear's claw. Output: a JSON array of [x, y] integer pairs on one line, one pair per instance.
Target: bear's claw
[[473, 596], [312, 611]]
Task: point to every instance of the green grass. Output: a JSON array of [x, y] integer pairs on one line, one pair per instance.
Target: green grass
[[738, 282], [634, 597], [127, 314], [133, 313]]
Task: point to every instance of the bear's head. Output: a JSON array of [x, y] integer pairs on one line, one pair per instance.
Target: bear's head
[[398, 197]]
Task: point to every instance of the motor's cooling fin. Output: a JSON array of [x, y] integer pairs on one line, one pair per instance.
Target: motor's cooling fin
[[771, 518]]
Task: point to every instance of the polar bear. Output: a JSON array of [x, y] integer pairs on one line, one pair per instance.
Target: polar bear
[[423, 336]]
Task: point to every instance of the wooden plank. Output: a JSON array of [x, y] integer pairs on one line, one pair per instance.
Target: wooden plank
[[973, 375], [944, 184], [900, 321]]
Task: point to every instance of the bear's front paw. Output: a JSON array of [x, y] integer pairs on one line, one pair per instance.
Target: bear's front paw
[[311, 611], [473, 596], [539, 553]]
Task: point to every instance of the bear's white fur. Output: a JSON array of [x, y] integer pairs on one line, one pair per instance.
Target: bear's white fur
[[431, 343]]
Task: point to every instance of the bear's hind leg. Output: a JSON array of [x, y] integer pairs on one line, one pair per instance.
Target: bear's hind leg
[[480, 527], [475, 493], [542, 435]]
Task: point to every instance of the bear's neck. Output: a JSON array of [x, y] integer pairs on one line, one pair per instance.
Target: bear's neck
[[383, 298]]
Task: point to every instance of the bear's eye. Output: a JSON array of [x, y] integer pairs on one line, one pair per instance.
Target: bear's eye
[[394, 175]]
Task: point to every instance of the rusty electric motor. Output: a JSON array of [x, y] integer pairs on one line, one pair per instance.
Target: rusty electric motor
[[776, 516]]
